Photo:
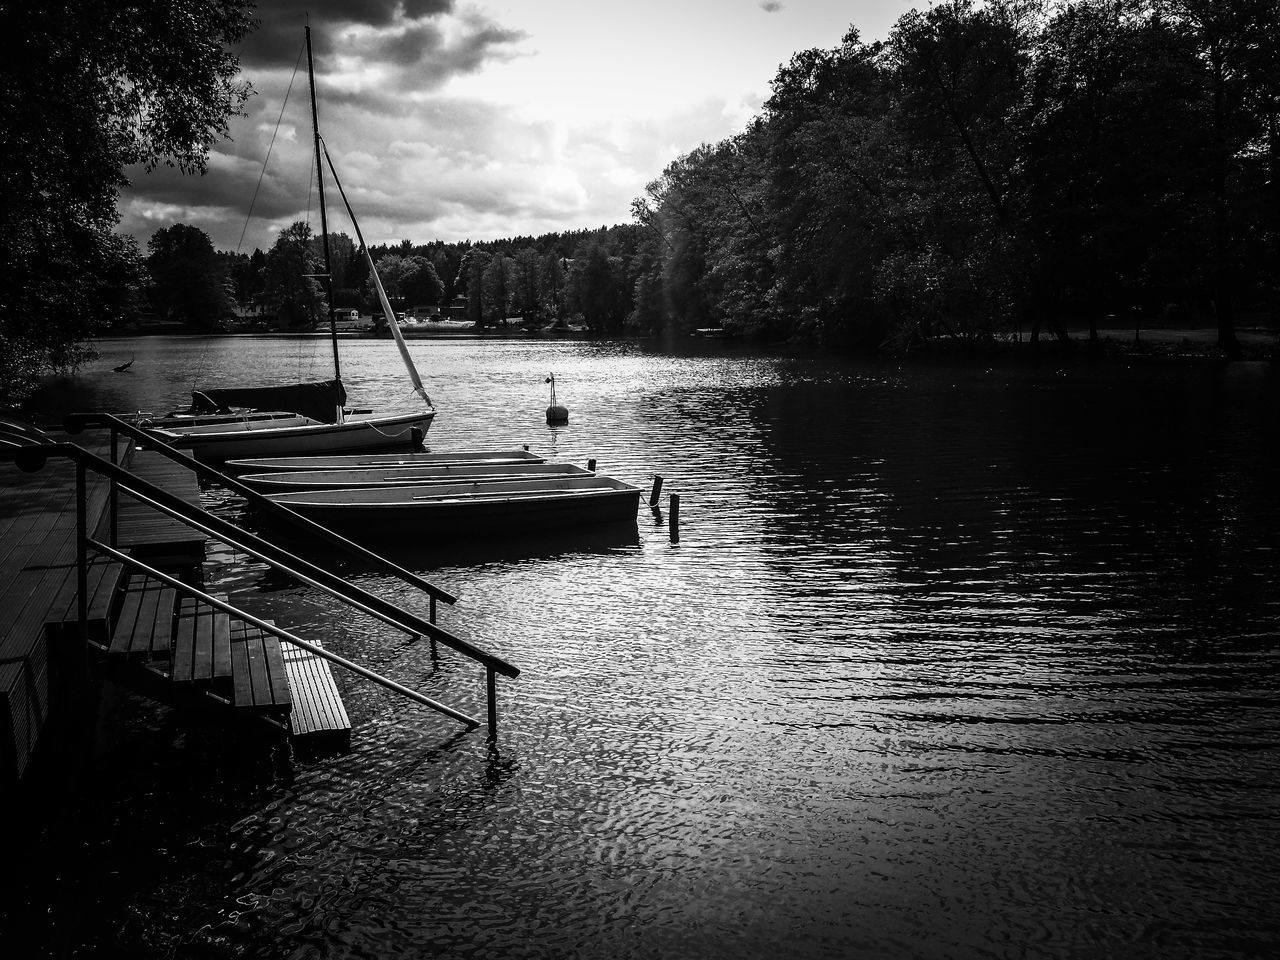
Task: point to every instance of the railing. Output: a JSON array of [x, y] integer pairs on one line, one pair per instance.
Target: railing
[[77, 422], [31, 458]]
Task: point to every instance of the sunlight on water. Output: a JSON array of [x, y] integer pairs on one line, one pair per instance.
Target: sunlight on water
[[946, 662]]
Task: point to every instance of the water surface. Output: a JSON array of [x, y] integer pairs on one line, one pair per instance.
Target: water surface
[[947, 662]]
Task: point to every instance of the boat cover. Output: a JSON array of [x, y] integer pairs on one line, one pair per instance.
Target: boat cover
[[319, 401]]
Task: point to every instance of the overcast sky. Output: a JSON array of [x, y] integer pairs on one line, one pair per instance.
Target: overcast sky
[[481, 120]]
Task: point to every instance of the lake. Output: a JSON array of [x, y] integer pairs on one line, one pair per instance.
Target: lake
[[948, 661]]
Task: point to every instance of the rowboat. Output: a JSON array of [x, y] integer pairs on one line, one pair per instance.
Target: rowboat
[[363, 478], [504, 508], [382, 460]]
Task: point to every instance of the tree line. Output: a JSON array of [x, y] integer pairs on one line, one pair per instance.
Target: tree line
[[558, 276], [987, 169]]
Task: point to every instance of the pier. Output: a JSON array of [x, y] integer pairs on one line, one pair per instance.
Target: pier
[[102, 544]]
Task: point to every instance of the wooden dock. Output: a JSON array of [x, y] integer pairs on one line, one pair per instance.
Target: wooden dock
[[38, 588], [149, 534], [145, 633]]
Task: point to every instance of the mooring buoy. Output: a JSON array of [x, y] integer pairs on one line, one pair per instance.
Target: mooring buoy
[[555, 412]]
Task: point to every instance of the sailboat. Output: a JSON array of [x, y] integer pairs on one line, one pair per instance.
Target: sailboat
[[309, 418]]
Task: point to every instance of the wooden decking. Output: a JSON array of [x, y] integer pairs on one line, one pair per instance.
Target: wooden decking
[[152, 535], [190, 650], [38, 586]]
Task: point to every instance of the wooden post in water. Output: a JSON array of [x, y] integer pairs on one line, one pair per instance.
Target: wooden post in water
[[591, 464], [490, 682], [657, 490], [673, 522], [435, 652]]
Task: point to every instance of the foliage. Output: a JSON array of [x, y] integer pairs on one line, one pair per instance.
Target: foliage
[[188, 282], [990, 167], [85, 91], [290, 288]]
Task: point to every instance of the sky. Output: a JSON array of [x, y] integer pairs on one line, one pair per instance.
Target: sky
[[453, 120]]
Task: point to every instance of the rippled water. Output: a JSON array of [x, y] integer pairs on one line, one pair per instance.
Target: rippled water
[[947, 662]]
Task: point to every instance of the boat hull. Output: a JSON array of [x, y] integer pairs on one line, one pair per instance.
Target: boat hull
[[397, 476], [504, 509], [383, 460], [216, 443]]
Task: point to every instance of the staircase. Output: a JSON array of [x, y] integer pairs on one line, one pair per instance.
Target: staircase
[[184, 652]]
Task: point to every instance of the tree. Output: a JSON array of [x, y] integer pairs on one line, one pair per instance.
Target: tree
[[187, 280], [471, 279], [85, 91], [290, 288], [421, 284], [1235, 42], [497, 289], [1108, 150], [528, 284], [552, 283], [596, 289]]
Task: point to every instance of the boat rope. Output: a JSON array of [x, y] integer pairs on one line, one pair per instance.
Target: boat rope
[[418, 388], [270, 146]]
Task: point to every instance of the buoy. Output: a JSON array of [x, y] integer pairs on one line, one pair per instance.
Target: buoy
[[555, 412]]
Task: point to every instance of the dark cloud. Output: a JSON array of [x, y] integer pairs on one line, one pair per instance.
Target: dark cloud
[[770, 6], [424, 56], [279, 34]]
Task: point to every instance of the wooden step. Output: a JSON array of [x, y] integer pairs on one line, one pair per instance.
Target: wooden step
[[258, 679], [201, 644], [319, 718], [104, 579], [144, 628]]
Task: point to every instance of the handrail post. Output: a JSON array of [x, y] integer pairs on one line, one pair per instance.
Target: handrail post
[[82, 553], [114, 496]]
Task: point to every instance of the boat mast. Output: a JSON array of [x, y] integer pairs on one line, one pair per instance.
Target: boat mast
[[324, 222]]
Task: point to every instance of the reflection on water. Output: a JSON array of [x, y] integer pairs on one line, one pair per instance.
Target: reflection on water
[[947, 662]]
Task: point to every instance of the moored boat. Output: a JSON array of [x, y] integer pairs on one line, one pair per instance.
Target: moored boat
[[399, 476], [359, 460], [505, 508], [321, 422], [248, 437]]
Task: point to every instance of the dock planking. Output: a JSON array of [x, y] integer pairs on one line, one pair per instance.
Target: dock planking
[[149, 532], [37, 574]]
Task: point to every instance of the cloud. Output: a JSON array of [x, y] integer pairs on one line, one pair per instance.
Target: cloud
[[421, 154], [770, 6]]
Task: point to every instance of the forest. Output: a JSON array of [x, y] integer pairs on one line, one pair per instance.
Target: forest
[[988, 171]]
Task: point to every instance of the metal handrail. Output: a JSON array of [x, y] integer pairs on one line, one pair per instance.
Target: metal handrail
[[217, 528], [77, 422], [31, 458], [285, 635]]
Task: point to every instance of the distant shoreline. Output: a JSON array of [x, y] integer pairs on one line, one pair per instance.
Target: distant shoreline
[[1256, 342]]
